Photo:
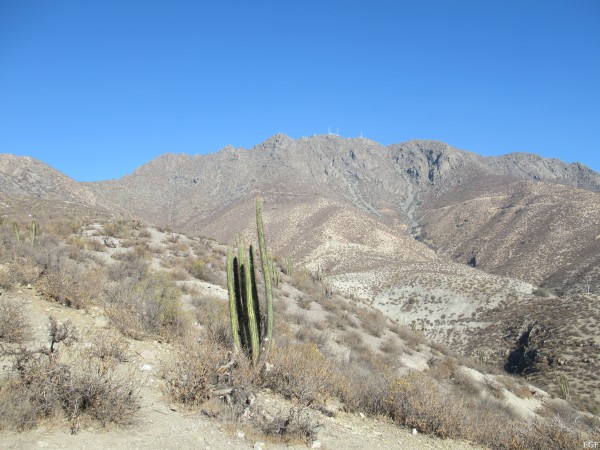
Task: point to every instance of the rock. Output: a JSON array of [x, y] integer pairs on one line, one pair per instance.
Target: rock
[[316, 444], [148, 355], [101, 322]]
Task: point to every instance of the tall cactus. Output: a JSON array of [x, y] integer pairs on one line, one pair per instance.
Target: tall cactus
[[264, 257], [243, 296]]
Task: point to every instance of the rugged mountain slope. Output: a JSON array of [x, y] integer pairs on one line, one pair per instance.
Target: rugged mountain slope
[[547, 234], [310, 181], [28, 177]]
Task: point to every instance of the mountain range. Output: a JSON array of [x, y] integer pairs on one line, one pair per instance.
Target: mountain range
[[352, 205]]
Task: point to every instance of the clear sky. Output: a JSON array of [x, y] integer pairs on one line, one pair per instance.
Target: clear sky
[[96, 88]]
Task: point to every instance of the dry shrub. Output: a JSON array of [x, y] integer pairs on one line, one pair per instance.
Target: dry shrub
[[9, 277], [213, 315], [443, 368], [144, 233], [364, 390], [128, 267], [372, 321], [127, 243], [201, 369], [206, 269], [71, 284], [466, 384], [491, 431], [117, 229], [353, 340], [149, 307], [412, 338], [108, 347], [417, 401], [180, 274], [14, 327], [77, 386], [300, 371], [337, 321], [331, 306], [191, 376], [62, 228], [304, 302], [513, 385], [298, 424], [310, 334], [390, 345]]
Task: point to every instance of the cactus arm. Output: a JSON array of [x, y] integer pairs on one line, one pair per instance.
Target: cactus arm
[[264, 257], [252, 319], [256, 302], [237, 345]]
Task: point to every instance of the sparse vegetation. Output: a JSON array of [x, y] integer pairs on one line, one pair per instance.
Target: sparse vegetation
[[51, 383], [327, 349], [14, 327]]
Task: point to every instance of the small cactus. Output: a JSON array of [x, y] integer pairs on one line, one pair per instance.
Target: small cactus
[[17, 234], [563, 385], [33, 230]]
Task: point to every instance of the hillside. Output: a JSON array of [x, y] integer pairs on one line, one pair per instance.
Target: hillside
[[116, 334], [470, 250]]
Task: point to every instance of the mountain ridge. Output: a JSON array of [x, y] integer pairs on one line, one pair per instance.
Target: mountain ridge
[[402, 187]]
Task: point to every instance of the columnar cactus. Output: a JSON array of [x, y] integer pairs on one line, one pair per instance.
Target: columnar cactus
[[243, 296], [33, 231], [17, 234]]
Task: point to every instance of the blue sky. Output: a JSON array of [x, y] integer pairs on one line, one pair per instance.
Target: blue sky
[[97, 88]]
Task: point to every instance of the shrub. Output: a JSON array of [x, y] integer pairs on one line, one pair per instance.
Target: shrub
[[297, 424], [117, 229], [213, 315], [14, 327], [77, 386], [417, 401], [300, 371], [372, 321], [201, 369], [151, 306]]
